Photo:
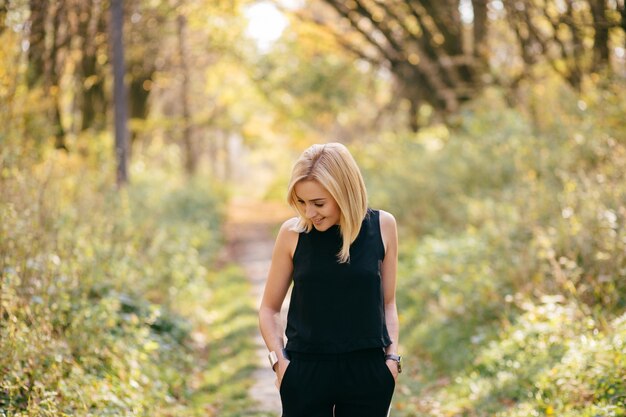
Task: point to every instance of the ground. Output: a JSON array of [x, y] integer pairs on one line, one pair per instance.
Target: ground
[[250, 231]]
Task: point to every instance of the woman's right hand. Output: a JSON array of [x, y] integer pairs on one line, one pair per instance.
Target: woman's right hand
[[281, 367]]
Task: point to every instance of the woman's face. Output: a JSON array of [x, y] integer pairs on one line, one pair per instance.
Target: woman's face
[[317, 204]]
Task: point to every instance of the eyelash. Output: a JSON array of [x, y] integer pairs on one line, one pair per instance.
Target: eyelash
[[315, 204]]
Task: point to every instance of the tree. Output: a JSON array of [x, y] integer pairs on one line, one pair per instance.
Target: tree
[[90, 15], [149, 28], [119, 91], [621, 7], [36, 42], [425, 44], [572, 36], [3, 14], [439, 51], [600, 34], [45, 58], [191, 160]]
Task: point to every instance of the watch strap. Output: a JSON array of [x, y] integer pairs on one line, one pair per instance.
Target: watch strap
[[395, 358]]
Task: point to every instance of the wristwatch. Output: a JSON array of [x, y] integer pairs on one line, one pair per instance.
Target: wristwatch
[[397, 359], [273, 358]]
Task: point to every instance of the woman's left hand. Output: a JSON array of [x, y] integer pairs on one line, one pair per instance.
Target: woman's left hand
[[393, 368]]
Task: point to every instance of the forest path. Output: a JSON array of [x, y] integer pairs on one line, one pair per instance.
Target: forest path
[[250, 232]]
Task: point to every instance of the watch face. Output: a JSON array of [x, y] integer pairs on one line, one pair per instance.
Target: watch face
[[272, 358]]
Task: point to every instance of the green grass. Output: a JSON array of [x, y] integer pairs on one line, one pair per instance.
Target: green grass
[[230, 359], [111, 302]]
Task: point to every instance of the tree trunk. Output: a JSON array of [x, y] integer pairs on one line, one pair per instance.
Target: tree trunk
[[575, 76], [93, 99], [3, 15], [191, 159], [139, 94], [480, 31], [622, 12], [600, 34], [53, 82], [120, 99], [44, 63], [37, 42], [414, 108]]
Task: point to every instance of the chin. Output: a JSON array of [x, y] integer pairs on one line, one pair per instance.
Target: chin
[[324, 226]]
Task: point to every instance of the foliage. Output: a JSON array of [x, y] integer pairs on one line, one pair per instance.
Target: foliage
[[316, 89], [442, 54], [111, 303], [513, 269], [552, 361], [513, 264]]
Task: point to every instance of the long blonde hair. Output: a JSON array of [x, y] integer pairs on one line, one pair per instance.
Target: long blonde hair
[[334, 168]]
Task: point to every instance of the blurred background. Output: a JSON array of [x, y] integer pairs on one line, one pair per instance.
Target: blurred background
[[494, 130]]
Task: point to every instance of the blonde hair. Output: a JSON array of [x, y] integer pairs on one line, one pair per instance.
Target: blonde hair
[[334, 168]]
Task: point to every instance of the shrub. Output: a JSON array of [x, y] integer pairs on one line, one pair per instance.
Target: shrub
[[96, 318], [498, 216]]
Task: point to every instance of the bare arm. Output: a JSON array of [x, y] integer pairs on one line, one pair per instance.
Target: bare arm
[[278, 282], [389, 271]]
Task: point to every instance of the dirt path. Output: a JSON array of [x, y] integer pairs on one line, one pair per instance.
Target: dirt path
[[250, 231]]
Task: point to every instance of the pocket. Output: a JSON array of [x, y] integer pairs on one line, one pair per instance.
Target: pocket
[[388, 374], [285, 376]]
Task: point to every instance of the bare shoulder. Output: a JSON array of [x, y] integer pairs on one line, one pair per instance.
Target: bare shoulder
[[290, 223], [387, 220], [287, 238], [388, 230]]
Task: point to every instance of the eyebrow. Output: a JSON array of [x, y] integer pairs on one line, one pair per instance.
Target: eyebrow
[[314, 199]]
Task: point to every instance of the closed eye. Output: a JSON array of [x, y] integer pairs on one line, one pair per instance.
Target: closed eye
[[316, 203]]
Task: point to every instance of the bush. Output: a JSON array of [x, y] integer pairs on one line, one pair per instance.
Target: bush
[[498, 216], [96, 307]]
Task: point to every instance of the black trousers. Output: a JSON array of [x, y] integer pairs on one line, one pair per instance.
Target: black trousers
[[354, 384]]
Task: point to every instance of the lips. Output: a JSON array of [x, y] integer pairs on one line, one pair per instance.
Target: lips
[[318, 221]]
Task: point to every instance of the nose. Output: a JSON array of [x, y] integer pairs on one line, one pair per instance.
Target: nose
[[309, 211]]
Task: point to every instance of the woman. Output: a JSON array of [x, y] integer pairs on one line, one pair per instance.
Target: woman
[[342, 326]]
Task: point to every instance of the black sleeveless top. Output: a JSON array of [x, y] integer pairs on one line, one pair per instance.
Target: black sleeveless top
[[335, 307]]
